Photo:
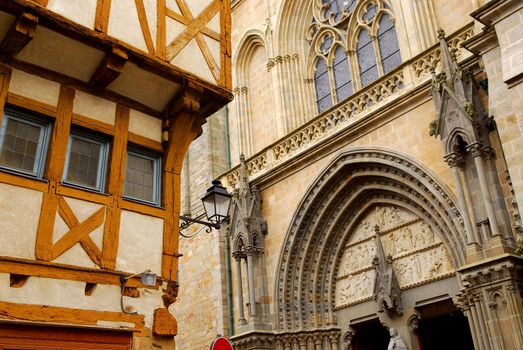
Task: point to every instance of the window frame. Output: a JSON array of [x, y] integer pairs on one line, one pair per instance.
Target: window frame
[[103, 162], [45, 126], [157, 159]]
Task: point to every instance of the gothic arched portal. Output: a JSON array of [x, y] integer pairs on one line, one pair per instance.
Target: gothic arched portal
[[358, 190]]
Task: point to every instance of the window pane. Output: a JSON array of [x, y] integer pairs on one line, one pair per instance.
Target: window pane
[[84, 162], [388, 44], [322, 85], [342, 77], [140, 177], [366, 58], [19, 148]]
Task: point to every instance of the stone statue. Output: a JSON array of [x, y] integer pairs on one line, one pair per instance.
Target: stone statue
[[396, 343]]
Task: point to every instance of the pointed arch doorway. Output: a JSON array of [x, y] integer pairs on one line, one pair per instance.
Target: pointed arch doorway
[[327, 270]]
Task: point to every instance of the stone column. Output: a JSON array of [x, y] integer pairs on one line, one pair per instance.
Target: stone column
[[334, 337], [515, 307], [303, 343], [249, 251], [238, 257], [318, 341], [453, 160], [476, 150]]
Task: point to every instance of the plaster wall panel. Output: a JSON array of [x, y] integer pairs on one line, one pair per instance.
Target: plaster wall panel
[[144, 86], [18, 240], [197, 7], [145, 125], [148, 301], [171, 4], [61, 54], [214, 23], [191, 59], [81, 11], [140, 243], [61, 293], [76, 256], [94, 107], [214, 47], [5, 23], [34, 87], [125, 25]]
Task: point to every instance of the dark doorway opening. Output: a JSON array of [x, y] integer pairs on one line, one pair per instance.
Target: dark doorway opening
[[370, 335], [442, 326]]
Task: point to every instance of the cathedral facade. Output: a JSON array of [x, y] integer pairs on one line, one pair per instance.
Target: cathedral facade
[[373, 149]]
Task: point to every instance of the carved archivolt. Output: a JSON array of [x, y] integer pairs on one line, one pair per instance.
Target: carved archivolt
[[355, 187]]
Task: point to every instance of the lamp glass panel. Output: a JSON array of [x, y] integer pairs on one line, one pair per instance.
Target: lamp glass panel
[[209, 206], [148, 279], [222, 206]]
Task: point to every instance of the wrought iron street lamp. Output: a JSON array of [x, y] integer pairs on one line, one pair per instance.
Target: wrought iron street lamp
[[216, 203]]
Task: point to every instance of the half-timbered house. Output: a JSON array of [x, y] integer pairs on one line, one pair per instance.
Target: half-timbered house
[[100, 100]]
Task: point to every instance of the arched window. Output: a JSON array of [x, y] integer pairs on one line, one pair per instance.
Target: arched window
[[341, 27]]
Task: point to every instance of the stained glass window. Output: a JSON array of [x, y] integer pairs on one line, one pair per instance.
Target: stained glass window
[[388, 43], [323, 90], [366, 58], [342, 78]]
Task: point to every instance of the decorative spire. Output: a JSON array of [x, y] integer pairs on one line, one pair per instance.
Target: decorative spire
[[387, 292]]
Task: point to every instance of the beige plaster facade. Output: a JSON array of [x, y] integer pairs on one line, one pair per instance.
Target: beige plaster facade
[[304, 272]]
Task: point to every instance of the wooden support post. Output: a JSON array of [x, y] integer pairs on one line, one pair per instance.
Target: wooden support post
[[53, 172], [183, 128], [115, 187], [19, 35]]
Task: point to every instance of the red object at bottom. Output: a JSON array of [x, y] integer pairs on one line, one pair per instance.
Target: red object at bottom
[[221, 344]]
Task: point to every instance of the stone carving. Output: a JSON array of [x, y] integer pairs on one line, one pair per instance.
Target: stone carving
[[396, 342], [357, 288], [386, 289], [416, 253]]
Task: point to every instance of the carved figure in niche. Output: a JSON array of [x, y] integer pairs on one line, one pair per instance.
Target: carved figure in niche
[[409, 270], [396, 342], [426, 231], [402, 240]]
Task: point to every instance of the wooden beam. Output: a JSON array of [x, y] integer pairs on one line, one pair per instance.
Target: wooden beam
[[33, 105], [101, 20], [225, 45], [109, 68], [42, 2], [115, 185], [144, 25], [61, 315], [5, 79], [160, 29], [46, 269], [192, 29], [16, 180], [53, 172], [60, 135], [19, 35], [78, 233], [183, 20]]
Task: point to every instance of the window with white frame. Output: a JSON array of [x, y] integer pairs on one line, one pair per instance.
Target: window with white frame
[[86, 162], [23, 143], [143, 176], [352, 44]]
